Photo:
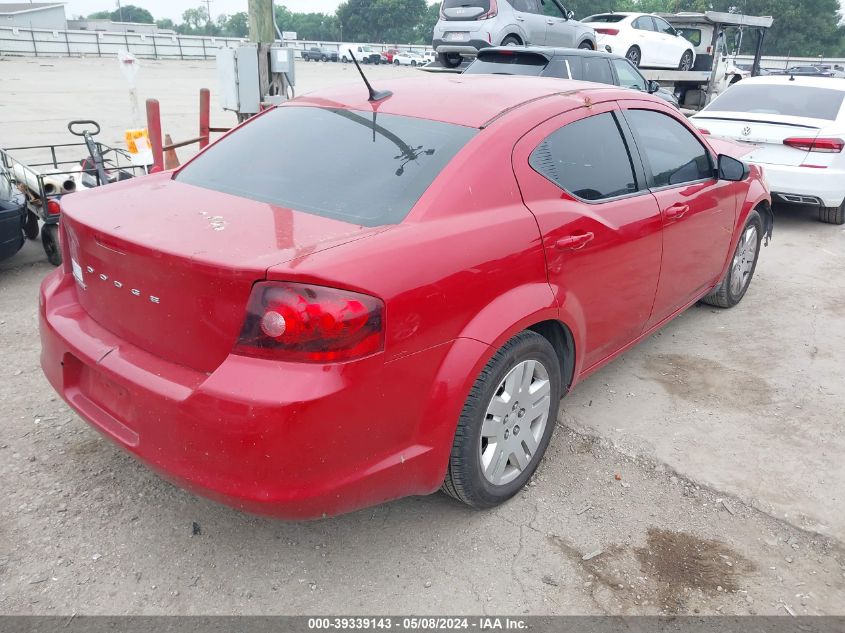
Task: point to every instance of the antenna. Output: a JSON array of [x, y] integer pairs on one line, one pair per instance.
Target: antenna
[[375, 95]]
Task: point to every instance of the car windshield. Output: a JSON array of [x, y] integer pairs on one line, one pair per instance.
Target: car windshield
[[484, 5], [382, 163], [608, 18], [5, 185], [508, 63], [786, 100], [693, 36]]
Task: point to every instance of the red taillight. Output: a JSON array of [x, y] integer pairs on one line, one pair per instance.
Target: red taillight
[[608, 31], [307, 323], [492, 13], [822, 145], [53, 207]]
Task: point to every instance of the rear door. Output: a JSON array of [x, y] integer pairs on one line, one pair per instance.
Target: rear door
[[672, 47], [560, 31], [645, 39], [530, 19], [699, 211], [600, 226], [597, 69]]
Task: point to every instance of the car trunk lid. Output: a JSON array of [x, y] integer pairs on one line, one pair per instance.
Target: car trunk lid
[[168, 266], [766, 133]]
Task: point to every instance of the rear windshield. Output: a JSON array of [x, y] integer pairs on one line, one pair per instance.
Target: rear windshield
[[608, 18], [484, 5], [786, 100], [508, 63], [335, 163]]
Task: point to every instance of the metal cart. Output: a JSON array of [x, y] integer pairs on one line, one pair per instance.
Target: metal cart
[[46, 173]]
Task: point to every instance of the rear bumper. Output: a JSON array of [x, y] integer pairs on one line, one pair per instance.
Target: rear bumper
[[291, 440], [468, 48], [816, 186]]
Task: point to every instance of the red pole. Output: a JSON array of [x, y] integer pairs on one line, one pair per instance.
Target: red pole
[[205, 116], [154, 130]]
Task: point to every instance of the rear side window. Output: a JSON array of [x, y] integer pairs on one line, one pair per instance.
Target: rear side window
[[644, 24], [786, 100], [693, 36], [671, 150], [336, 163], [664, 27], [588, 158], [597, 69], [508, 63]]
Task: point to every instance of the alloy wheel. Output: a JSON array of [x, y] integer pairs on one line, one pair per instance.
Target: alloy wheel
[[515, 422], [743, 262]]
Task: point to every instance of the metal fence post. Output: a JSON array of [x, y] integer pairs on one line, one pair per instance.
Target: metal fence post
[[67, 43], [205, 116], [179, 42], [155, 50], [204, 56], [97, 42], [34, 45]]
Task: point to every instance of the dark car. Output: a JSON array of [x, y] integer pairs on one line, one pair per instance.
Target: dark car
[[12, 216], [565, 63], [319, 55]]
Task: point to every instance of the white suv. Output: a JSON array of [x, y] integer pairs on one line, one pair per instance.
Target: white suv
[[467, 26]]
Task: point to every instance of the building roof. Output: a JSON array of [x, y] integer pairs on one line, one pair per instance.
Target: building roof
[[13, 8]]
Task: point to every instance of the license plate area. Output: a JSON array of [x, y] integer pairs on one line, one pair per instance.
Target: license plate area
[[457, 37]]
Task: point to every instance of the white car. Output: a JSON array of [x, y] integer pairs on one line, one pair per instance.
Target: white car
[[405, 58], [646, 40], [798, 127]]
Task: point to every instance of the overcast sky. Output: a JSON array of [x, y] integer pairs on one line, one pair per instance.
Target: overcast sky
[[173, 8]]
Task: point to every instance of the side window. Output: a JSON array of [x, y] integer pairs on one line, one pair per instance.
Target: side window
[[664, 27], [628, 75], [674, 154], [588, 158], [597, 69], [522, 5], [644, 24], [550, 9], [562, 68]]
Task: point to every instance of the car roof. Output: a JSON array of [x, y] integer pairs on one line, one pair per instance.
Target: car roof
[[627, 14], [836, 83], [550, 52], [469, 100]]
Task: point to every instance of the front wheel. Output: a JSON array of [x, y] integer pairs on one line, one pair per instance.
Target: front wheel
[[345, 59], [686, 61], [413, 62], [733, 287], [449, 60], [506, 423], [52, 245]]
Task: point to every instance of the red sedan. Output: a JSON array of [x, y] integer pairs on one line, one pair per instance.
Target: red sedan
[[304, 343]]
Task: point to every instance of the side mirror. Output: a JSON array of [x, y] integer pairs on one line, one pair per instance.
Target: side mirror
[[652, 86], [570, 15], [731, 169]]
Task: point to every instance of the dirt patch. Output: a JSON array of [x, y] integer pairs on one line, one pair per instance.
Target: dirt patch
[[683, 560], [671, 571], [698, 379]]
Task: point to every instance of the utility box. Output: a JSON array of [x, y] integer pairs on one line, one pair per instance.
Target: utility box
[[237, 74], [282, 61]]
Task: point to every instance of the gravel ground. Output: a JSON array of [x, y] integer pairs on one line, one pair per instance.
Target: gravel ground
[[698, 474]]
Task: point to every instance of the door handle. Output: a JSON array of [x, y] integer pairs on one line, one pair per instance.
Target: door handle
[[574, 242], [676, 211], [520, 18], [551, 22]]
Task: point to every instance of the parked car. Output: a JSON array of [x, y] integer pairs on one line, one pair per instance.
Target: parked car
[[809, 71], [364, 54], [319, 55], [389, 54], [647, 40], [289, 345], [467, 26], [408, 59], [566, 63], [429, 56], [12, 216], [796, 126]]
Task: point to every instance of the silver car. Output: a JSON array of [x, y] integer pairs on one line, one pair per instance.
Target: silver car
[[467, 26]]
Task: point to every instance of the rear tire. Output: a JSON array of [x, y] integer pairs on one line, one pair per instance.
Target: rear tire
[[52, 245], [345, 59], [587, 46], [511, 40], [686, 61], [832, 215], [634, 56], [733, 287], [506, 423], [449, 60]]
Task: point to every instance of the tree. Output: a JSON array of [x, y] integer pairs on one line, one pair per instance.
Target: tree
[[194, 20], [235, 25], [100, 15], [385, 21], [166, 24], [131, 13]]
